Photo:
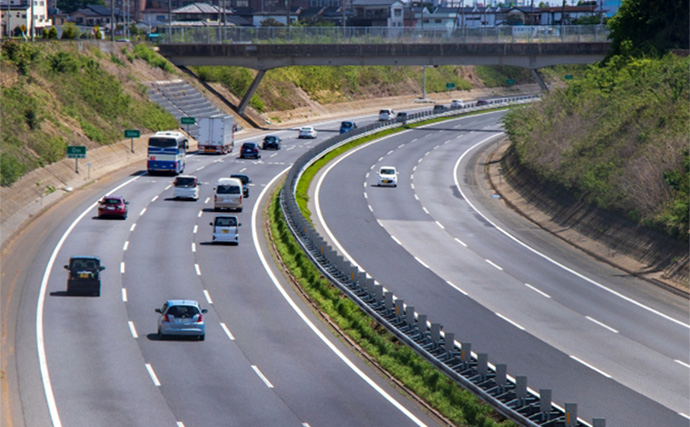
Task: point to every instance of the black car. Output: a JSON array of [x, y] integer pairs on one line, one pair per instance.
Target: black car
[[271, 142], [439, 108], [402, 116], [245, 182], [250, 150], [482, 102], [84, 275]]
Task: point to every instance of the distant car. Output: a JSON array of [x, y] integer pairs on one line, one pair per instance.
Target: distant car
[[482, 102], [226, 229], [271, 142], [457, 103], [186, 187], [307, 132], [388, 176], [439, 108], [250, 150], [386, 114], [245, 182], [347, 126], [84, 275], [402, 116], [113, 206], [182, 318]]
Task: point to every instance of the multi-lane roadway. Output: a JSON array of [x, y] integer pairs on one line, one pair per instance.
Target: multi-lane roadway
[[438, 240]]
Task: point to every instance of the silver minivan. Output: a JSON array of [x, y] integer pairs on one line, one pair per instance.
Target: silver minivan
[[226, 229], [186, 187], [228, 194]]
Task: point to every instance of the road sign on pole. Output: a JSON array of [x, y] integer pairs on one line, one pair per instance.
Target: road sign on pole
[[188, 120], [132, 133], [450, 86], [76, 152]]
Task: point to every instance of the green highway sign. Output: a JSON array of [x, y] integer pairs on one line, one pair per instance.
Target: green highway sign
[[131, 133], [568, 76], [76, 152], [510, 82], [450, 86], [188, 120]]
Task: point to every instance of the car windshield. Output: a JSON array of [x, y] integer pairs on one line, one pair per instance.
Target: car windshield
[[306, 129], [185, 182], [162, 142], [270, 139], [387, 172], [346, 124], [227, 221], [384, 112], [228, 189], [83, 264], [249, 146], [183, 311], [111, 201]]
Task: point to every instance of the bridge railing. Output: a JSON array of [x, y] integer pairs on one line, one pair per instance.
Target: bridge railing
[[217, 33]]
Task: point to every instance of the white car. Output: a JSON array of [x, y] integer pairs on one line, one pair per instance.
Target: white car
[[226, 229], [457, 103], [386, 114], [388, 176], [307, 132], [186, 187]]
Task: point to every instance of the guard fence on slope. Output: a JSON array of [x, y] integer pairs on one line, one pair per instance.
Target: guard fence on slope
[[509, 396]]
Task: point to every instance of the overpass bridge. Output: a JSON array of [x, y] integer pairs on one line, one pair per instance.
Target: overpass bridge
[[265, 48]]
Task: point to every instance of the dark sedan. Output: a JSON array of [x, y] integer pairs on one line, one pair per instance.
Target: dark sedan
[[250, 150], [271, 142]]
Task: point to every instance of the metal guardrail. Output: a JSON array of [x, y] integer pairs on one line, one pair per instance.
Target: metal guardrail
[[217, 33], [508, 396]]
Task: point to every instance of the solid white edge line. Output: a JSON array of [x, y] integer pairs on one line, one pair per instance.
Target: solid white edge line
[[542, 293], [124, 295], [198, 270], [682, 363], [553, 261], [132, 329], [684, 415], [421, 262], [498, 267], [227, 331], [305, 319], [599, 371], [396, 240], [208, 297], [509, 321], [262, 376], [153, 376], [40, 341], [603, 325]]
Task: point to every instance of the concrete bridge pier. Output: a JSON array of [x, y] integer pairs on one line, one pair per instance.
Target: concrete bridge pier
[[539, 79], [250, 92]]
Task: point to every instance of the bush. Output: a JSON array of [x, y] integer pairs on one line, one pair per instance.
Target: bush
[[10, 169], [70, 31]]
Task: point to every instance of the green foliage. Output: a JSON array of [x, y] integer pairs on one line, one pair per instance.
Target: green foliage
[[143, 51], [650, 27], [63, 62], [23, 55], [11, 168], [70, 31], [616, 137], [51, 33], [497, 76]]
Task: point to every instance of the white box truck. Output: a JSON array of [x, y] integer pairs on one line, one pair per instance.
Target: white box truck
[[216, 134]]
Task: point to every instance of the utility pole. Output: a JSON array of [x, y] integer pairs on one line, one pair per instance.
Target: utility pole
[[112, 20], [169, 21], [33, 21]]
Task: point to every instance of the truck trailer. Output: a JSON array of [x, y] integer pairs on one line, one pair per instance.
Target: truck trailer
[[216, 134]]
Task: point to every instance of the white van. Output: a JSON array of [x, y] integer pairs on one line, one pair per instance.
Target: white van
[[186, 187], [225, 229], [228, 194]]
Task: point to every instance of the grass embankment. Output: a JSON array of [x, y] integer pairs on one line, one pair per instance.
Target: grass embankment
[[616, 137], [423, 379], [55, 94]]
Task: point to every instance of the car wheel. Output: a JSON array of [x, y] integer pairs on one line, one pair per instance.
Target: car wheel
[[160, 334], [202, 337]]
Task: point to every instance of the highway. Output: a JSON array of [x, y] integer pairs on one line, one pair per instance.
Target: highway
[[267, 360], [446, 245]]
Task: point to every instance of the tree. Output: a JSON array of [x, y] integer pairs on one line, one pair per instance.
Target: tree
[[650, 27], [70, 31], [271, 22]]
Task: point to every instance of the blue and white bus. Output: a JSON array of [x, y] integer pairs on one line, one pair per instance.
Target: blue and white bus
[[167, 152]]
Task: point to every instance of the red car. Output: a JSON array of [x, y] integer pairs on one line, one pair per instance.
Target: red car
[[113, 206]]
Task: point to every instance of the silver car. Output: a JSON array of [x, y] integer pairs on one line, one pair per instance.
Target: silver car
[[226, 229], [181, 317]]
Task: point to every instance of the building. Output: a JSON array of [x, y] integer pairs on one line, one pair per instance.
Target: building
[[377, 13], [16, 15]]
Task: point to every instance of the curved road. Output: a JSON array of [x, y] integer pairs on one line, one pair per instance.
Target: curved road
[[266, 360], [443, 243]]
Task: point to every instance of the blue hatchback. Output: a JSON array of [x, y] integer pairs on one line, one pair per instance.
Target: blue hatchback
[[347, 126]]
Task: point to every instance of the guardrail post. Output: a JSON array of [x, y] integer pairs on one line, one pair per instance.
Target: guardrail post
[[388, 301], [435, 333], [399, 309], [570, 414], [545, 403], [482, 365], [501, 377], [449, 343], [378, 293], [521, 389], [409, 316], [598, 422], [421, 325], [465, 354]]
